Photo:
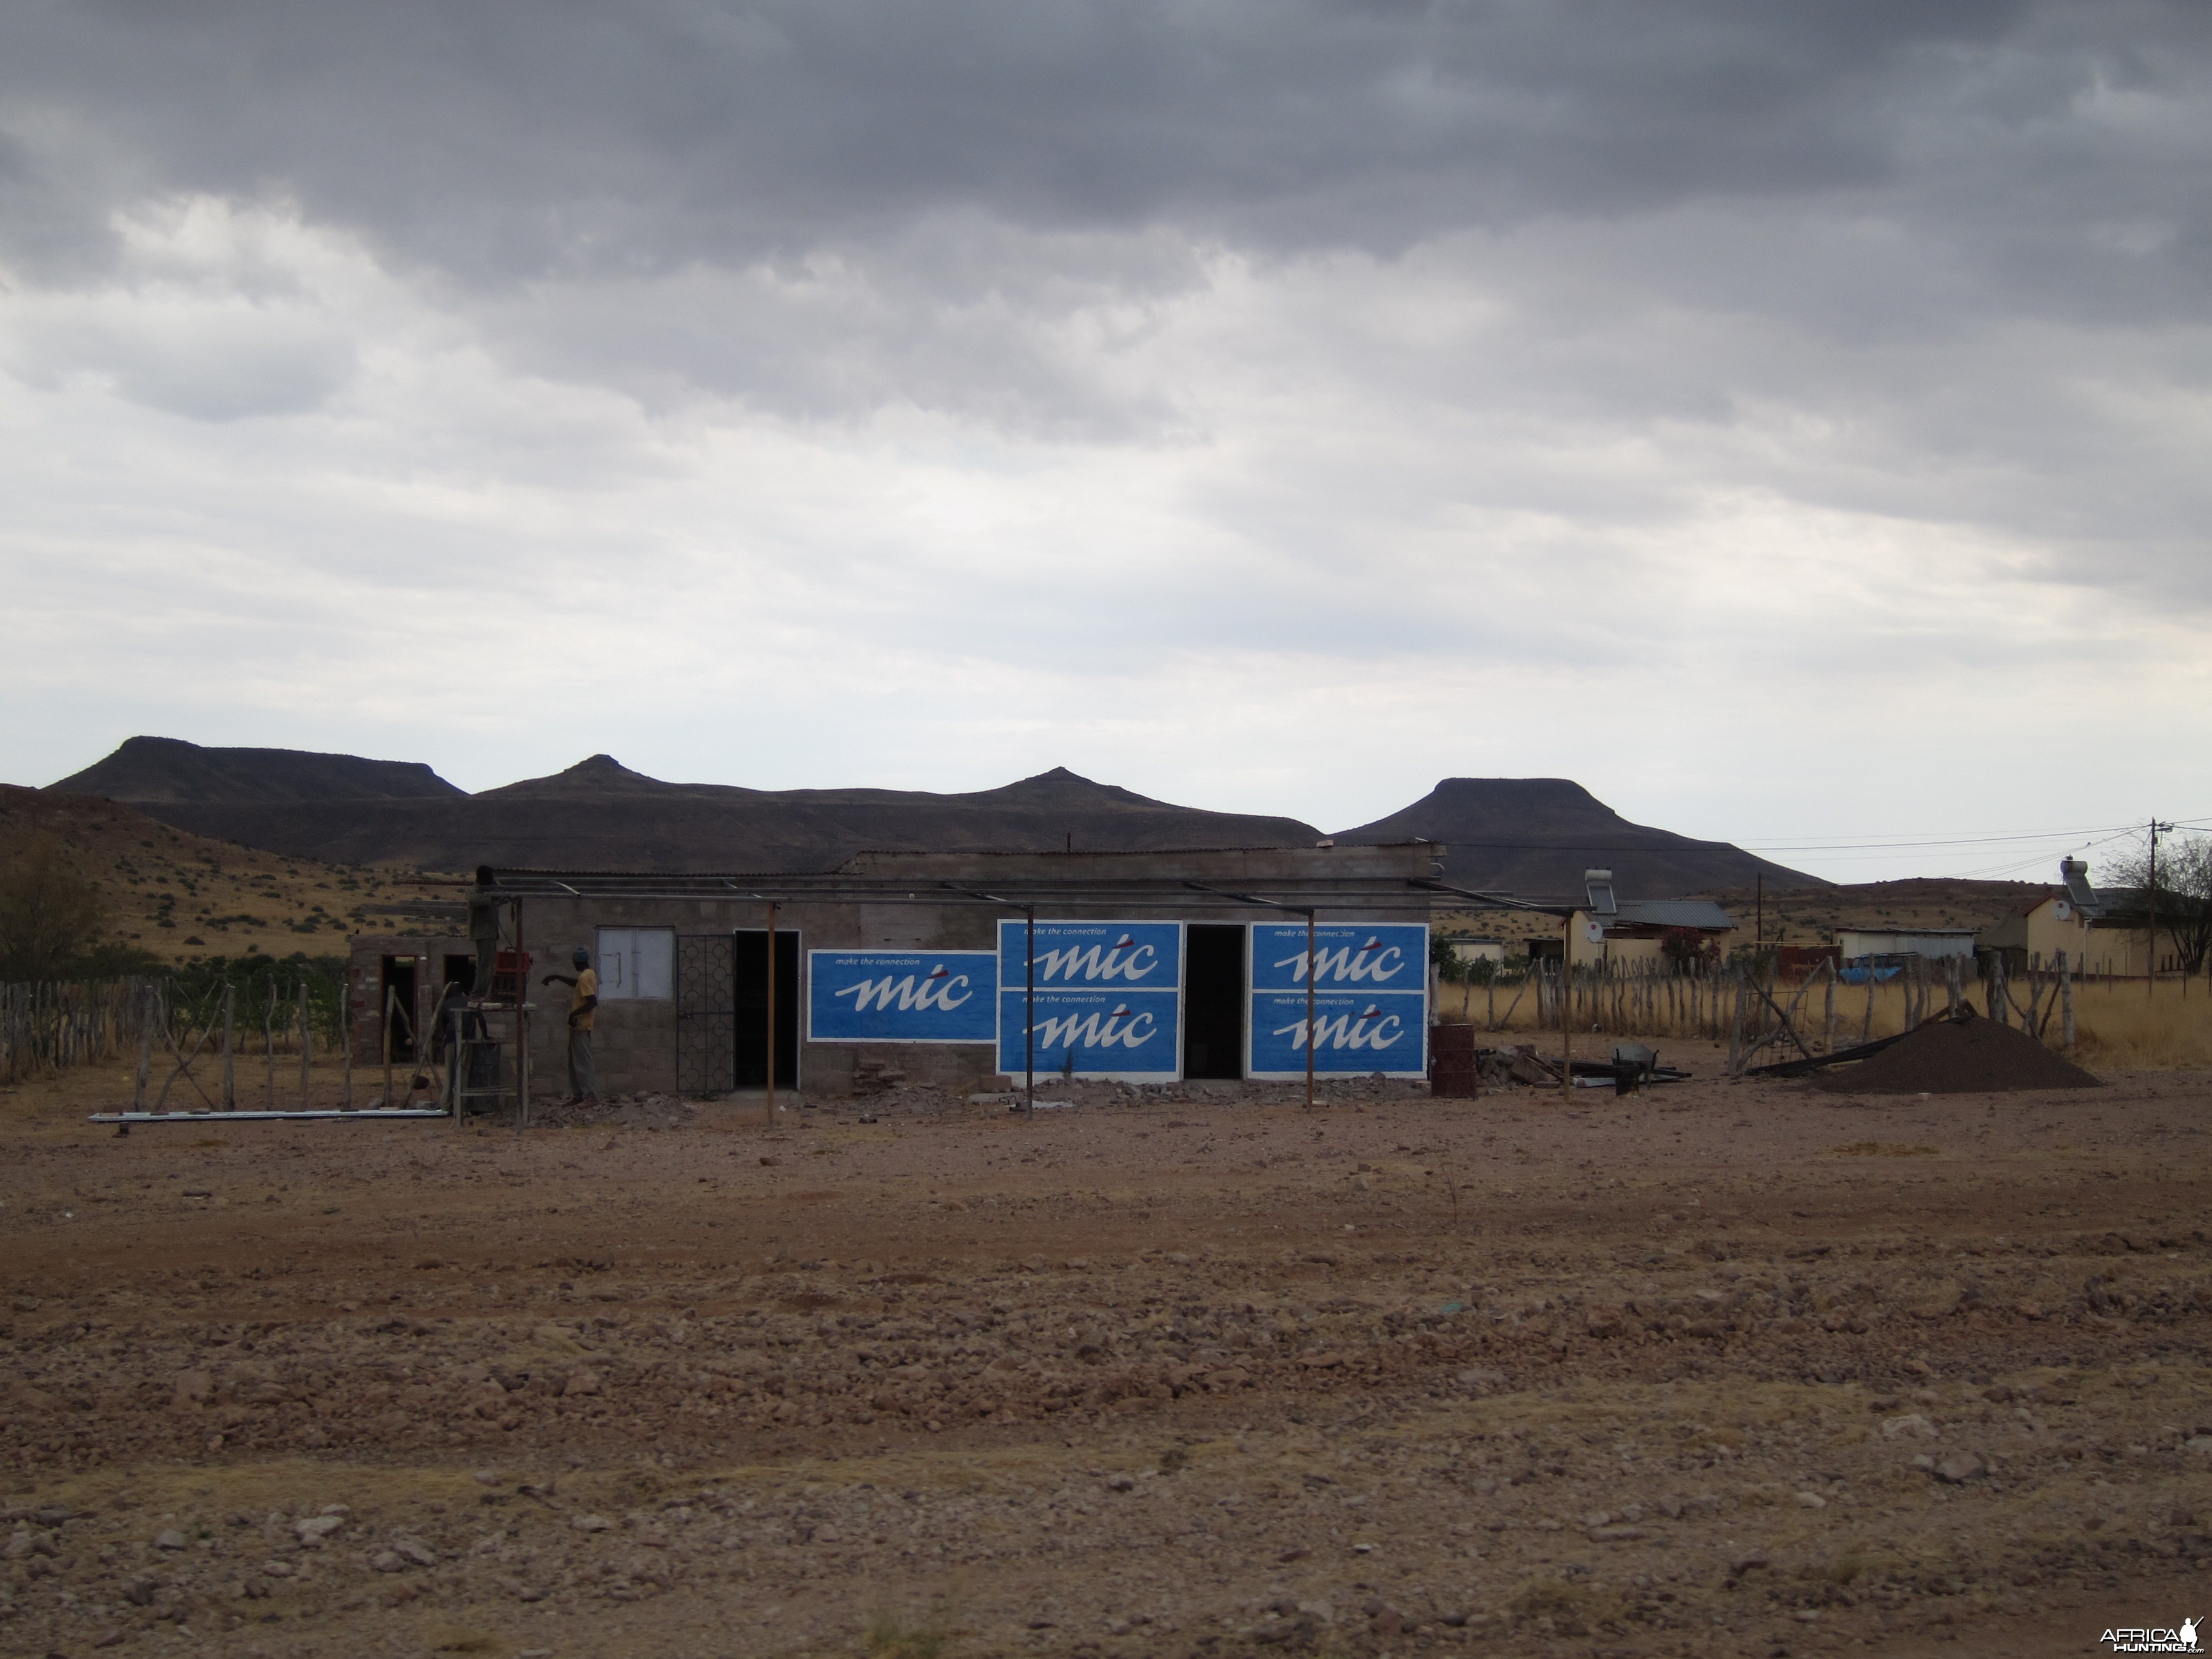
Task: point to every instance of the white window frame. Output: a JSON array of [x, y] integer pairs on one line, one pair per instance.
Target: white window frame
[[636, 965]]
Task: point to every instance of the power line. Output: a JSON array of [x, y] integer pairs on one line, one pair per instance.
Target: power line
[[2070, 837], [1927, 837], [1996, 873], [1864, 845]]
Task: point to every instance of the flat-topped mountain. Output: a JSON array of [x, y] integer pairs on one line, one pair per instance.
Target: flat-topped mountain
[[1536, 836], [169, 770]]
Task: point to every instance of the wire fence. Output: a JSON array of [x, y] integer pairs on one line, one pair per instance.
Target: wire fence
[[1763, 1010]]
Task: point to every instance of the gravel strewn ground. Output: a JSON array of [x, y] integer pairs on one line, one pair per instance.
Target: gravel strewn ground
[[1727, 1368]]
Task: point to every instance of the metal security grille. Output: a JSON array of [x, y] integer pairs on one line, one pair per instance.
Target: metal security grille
[[706, 1013]]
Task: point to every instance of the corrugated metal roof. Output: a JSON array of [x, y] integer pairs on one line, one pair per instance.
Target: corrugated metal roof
[[1673, 912]]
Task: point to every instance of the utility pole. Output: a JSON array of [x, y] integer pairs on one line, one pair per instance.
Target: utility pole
[[2150, 951], [1759, 925]]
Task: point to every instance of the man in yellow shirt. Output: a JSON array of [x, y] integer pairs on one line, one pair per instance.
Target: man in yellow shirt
[[583, 1081]]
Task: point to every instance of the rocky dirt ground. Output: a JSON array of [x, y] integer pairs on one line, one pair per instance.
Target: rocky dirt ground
[[1721, 1368]]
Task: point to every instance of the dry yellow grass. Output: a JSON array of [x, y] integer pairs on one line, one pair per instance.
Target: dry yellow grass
[[2125, 1024], [2119, 1024]]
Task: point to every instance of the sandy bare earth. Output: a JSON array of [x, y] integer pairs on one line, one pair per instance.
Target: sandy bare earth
[[1717, 1368]]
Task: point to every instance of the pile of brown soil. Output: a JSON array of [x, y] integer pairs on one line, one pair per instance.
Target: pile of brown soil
[[1967, 1056]]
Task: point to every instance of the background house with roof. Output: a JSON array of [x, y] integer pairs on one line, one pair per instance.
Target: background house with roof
[[1635, 930], [1607, 928], [2104, 932]]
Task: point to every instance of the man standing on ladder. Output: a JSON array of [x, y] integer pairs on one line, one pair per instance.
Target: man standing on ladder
[[583, 1081], [483, 934]]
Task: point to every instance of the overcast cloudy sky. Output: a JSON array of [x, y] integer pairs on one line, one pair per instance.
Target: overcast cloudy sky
[[1793, 422]]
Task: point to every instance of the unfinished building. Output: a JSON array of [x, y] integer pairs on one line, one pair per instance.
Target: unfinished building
[[959, 970]]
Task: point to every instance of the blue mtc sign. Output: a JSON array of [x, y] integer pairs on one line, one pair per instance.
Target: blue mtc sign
[[1114, 1034], [1390, 956], [1360, 1033], [901, 996], [1108, 992], [1121, 955]]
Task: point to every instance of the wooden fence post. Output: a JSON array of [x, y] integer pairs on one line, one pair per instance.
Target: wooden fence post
[[1735, 1035], [145, 1048], [269, 1048]]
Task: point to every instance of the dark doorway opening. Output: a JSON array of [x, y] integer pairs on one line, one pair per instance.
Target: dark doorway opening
[[395, 1009], [749, 976], [1213, 1001], [461, 971]]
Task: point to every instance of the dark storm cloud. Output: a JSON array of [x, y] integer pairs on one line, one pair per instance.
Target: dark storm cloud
[[530, 140], [1956, 254], [823, 207]]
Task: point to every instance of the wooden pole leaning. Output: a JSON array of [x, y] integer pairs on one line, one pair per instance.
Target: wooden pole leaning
[[229, 1076], [184, 1065]]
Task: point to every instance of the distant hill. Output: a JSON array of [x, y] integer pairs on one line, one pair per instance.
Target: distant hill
[[180, 896], [169, 771], [598, 814], [1534, 836]]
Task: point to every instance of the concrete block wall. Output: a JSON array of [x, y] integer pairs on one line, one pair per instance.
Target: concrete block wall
[[635, 1042], [365, 984]]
